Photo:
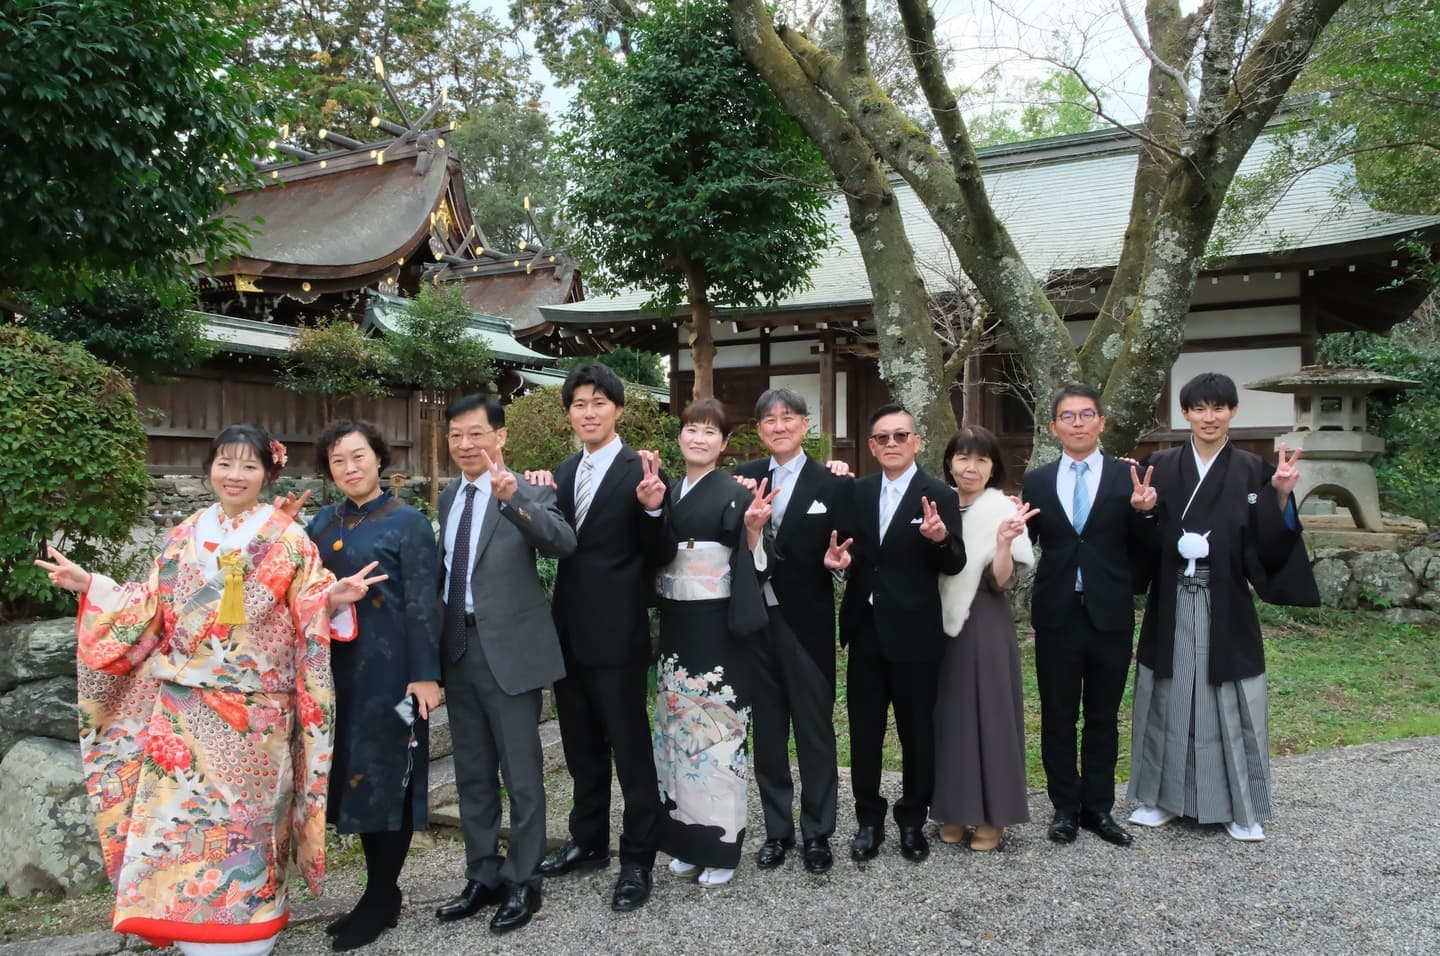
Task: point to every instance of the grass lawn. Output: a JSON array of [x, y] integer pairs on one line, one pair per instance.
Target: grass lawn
[[1335, 678]]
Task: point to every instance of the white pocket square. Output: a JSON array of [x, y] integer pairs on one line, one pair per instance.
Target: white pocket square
[[817, 508], [916, 520]]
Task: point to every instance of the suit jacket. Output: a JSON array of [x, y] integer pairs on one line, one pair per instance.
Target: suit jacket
[[603, 590], [802, 584], [512, 617], [902, 571], [1103, 550]]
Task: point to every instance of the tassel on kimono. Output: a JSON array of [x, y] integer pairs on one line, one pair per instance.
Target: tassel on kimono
[[232, 601]]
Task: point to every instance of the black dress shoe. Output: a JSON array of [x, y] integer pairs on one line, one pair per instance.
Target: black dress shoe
[[1104, 826], [632, 889], [367, 921], [521, 903], [471, 899], [772, 853], [1064, 826], [913, 845], [866, 842], [817, 854], [571, 857]]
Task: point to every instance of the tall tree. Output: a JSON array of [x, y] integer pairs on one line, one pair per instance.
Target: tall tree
[[688, 179], [1053, 105], [506, 152]]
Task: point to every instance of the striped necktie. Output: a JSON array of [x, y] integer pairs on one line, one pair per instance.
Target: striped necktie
[[583, 491], [1080, 508]]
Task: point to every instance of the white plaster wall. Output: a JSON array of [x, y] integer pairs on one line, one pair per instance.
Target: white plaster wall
[[808, 386], [1257, 409]]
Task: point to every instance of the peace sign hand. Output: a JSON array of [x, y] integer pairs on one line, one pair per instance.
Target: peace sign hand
[[837, 556], [356, 586], [760, 510], [502, 483], [1014, 526], [1143, 497], [651, 489], [932, 528], [1286, 475], [64, 572], [291, 505]]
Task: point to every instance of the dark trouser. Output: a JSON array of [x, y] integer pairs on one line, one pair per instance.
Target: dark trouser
[[496, 733], [786, 686], [1074, 666], [603, 712], [873, 685]]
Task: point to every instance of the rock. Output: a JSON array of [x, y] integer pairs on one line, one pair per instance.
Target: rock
[[1419, 560], [1410, 615], [1332, 577], [1381, 580], [48, 842], [44, 708], [35, 650], [441, 744]]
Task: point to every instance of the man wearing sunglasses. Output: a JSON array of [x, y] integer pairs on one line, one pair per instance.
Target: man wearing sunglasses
[[904, 532]]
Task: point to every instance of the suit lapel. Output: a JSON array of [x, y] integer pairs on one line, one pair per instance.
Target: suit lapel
[[801, 497], [909, 501], [608, 484], [565, 487], [487, 528]]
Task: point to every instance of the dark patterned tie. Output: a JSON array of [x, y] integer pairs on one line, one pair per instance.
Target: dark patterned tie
[[456, 640]]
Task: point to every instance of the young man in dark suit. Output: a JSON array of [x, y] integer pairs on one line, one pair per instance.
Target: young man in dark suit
[[793, 680], [499, 650], [1083, 612], [905, 532], [602, 593]]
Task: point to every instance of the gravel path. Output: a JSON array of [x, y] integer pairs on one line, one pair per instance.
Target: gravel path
[[1351, 865]]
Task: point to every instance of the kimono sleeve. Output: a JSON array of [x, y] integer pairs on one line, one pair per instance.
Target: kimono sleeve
[[1275, 561], [747, 604], [119, 625]]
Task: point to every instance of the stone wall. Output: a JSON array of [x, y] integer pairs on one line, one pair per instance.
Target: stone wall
[[1403, 586], [171, 499]]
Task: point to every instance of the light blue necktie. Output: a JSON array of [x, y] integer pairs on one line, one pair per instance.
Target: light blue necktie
[[1080, 507]]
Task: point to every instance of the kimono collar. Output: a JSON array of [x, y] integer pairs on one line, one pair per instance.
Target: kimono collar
[[216, 534], [348, 507]]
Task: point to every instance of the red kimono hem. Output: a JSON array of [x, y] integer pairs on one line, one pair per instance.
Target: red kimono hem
[[164, 932]]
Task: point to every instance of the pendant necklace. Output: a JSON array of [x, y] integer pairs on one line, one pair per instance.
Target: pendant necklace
[[339, 544]]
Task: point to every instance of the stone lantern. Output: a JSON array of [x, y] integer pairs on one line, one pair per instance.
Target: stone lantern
[[1330, 427]]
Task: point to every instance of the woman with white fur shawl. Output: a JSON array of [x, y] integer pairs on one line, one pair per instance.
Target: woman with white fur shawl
[[979, 716]]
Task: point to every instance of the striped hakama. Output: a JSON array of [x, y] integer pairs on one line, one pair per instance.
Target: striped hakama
[[1198, 750]]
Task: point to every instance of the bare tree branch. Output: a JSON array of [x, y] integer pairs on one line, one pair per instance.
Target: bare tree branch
[[1155, 60]]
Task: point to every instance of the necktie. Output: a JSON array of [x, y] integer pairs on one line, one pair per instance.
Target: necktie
[[1079, 507], [456, 641], [888, 495], [582, 491], [777, 507]]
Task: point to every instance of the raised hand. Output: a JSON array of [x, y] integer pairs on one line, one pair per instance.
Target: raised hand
[[932, 528], [1142, 496], [1286, 475], [356, 586], [749, 484], [759, 511], [290, 504], [543, 479], [837, 556], [651, 489], [502, 483], [1014, 526], [64, 572], [838, 468]]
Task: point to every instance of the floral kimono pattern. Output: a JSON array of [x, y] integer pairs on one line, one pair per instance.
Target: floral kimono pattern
[[207, 746]]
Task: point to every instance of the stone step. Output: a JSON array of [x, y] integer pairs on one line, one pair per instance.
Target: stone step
[[440, 743]]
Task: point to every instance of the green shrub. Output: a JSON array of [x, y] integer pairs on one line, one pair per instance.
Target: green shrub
[[73, 449], [538, 433]]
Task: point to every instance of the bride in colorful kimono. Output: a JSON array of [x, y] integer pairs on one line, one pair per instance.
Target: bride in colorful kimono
[[710, 606], [205, 712]]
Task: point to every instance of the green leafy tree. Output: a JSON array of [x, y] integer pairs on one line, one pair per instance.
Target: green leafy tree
[[74, 453], [1054, 105], [435, 352], [119, 127], [688, 179], [335, 360], [632, 365], [506, 153], [145, 326]]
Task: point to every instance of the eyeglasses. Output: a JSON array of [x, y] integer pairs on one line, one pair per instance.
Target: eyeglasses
[[891, 438], [1086, 415], [474, 434]]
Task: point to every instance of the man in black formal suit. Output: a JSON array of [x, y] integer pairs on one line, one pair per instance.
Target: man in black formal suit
[[1083, 612], [793, 680], [905, 532], [602, 593]]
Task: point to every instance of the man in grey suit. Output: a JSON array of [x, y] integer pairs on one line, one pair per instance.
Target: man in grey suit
[[499, 650]]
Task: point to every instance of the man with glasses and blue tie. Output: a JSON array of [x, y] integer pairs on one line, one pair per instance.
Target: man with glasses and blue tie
[[1083, 612]]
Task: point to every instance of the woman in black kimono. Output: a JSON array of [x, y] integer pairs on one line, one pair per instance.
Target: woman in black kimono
[[710, 605], [1223, 519], [378, 780]]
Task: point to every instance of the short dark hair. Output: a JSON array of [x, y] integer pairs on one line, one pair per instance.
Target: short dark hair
[[1209, 388], [1075, 390], [603, 377], [891, 408], [788, 397], [705, 411], [976, 440], [494, 411], [244, 435], [341, 427]]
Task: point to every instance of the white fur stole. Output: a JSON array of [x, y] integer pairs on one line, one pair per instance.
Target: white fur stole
[[979, 526]]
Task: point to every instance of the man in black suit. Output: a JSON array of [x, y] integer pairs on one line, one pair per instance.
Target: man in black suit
[[602, 593], [793, 679], [905, 532], [1083, 613]]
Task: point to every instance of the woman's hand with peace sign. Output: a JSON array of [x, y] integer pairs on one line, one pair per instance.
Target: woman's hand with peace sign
[[651, 489], [1142, 497], [349, 590], [64, 572]]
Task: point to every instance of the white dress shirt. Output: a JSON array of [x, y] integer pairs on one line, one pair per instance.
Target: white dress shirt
[[897, 489], [785, 477], [477, 520], [600, 461], [1065, 481]]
